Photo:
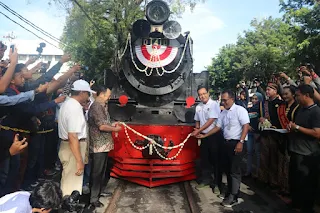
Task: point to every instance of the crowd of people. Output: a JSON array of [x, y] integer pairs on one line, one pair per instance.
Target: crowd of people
[[50, 124], [45, 124], [278, 129]]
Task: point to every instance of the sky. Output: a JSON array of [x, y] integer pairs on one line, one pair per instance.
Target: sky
[[212, 24]]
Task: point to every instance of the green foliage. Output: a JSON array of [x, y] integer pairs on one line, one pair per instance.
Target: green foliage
[[266, 49], [272, 46], [224, 70], [99, 49], [97, 45], [304, 15]]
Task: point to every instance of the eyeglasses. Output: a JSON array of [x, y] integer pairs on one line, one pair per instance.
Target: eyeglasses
[[224, 100], [202, 94]]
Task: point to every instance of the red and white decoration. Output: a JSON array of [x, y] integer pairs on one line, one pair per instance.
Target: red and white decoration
[[156, 56]]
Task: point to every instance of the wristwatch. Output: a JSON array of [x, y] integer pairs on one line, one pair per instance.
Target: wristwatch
[[297, 127], [241, 141]]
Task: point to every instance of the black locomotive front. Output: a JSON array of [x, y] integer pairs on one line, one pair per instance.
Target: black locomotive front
[[156, 71]]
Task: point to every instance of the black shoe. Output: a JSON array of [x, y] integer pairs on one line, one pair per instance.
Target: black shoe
[[97, 204], [229, 201], [106, 194], [247, 176]]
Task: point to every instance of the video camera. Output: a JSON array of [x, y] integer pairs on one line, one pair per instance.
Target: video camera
[[72, 204], [40, 48]]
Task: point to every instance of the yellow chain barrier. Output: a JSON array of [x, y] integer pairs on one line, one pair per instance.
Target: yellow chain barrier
[[24, 131]]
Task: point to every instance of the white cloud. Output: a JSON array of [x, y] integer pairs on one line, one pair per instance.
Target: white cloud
[[202, 23]]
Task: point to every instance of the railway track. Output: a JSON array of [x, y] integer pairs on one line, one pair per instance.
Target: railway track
[[129, 198]]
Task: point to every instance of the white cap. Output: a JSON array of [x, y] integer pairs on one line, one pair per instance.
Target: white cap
[[82, 85]]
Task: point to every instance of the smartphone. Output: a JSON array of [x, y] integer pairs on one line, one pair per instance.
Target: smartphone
[[12, 48]]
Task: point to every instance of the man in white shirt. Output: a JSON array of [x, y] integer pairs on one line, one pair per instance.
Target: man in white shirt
[[44, 198], [207, 113], [73, 134], [234, 121]]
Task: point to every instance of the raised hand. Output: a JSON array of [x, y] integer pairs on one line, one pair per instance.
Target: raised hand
[[65, 58], [42, 88]]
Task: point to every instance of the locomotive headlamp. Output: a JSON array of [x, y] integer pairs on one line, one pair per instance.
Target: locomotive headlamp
[[171, 29], [157, 12]]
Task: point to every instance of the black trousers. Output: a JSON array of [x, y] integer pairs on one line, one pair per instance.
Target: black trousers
[[210, 160], [99, 175], [303, 181], [232, 166], [50, 148], [35, 162]]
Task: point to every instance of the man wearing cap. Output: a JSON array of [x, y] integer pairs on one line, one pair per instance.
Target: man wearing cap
[[270, 140], [73, 133]]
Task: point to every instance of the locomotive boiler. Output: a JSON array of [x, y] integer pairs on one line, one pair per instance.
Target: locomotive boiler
[[154, 97]]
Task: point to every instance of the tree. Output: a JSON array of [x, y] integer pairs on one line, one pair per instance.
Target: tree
[[225, 70], [266, 49], [98, 45], [269, 48], [304, 15]]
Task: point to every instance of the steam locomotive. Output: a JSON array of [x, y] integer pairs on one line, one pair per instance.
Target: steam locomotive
[[154, 98]]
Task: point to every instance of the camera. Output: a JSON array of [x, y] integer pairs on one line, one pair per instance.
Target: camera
[[3, 46], [44, 67], [72, 204], [79, 75], [85, 68], [40, 48], [309, 66], [276, 75]]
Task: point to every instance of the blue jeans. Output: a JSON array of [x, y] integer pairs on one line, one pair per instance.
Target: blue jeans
[[252, 145], [86, 175]]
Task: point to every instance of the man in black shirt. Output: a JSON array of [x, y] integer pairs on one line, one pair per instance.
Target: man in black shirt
[[305, 151]]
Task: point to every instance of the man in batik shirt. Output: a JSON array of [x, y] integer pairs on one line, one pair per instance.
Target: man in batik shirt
[[101, 142]]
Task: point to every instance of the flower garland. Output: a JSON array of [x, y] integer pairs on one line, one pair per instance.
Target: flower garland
[[153, 144]]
